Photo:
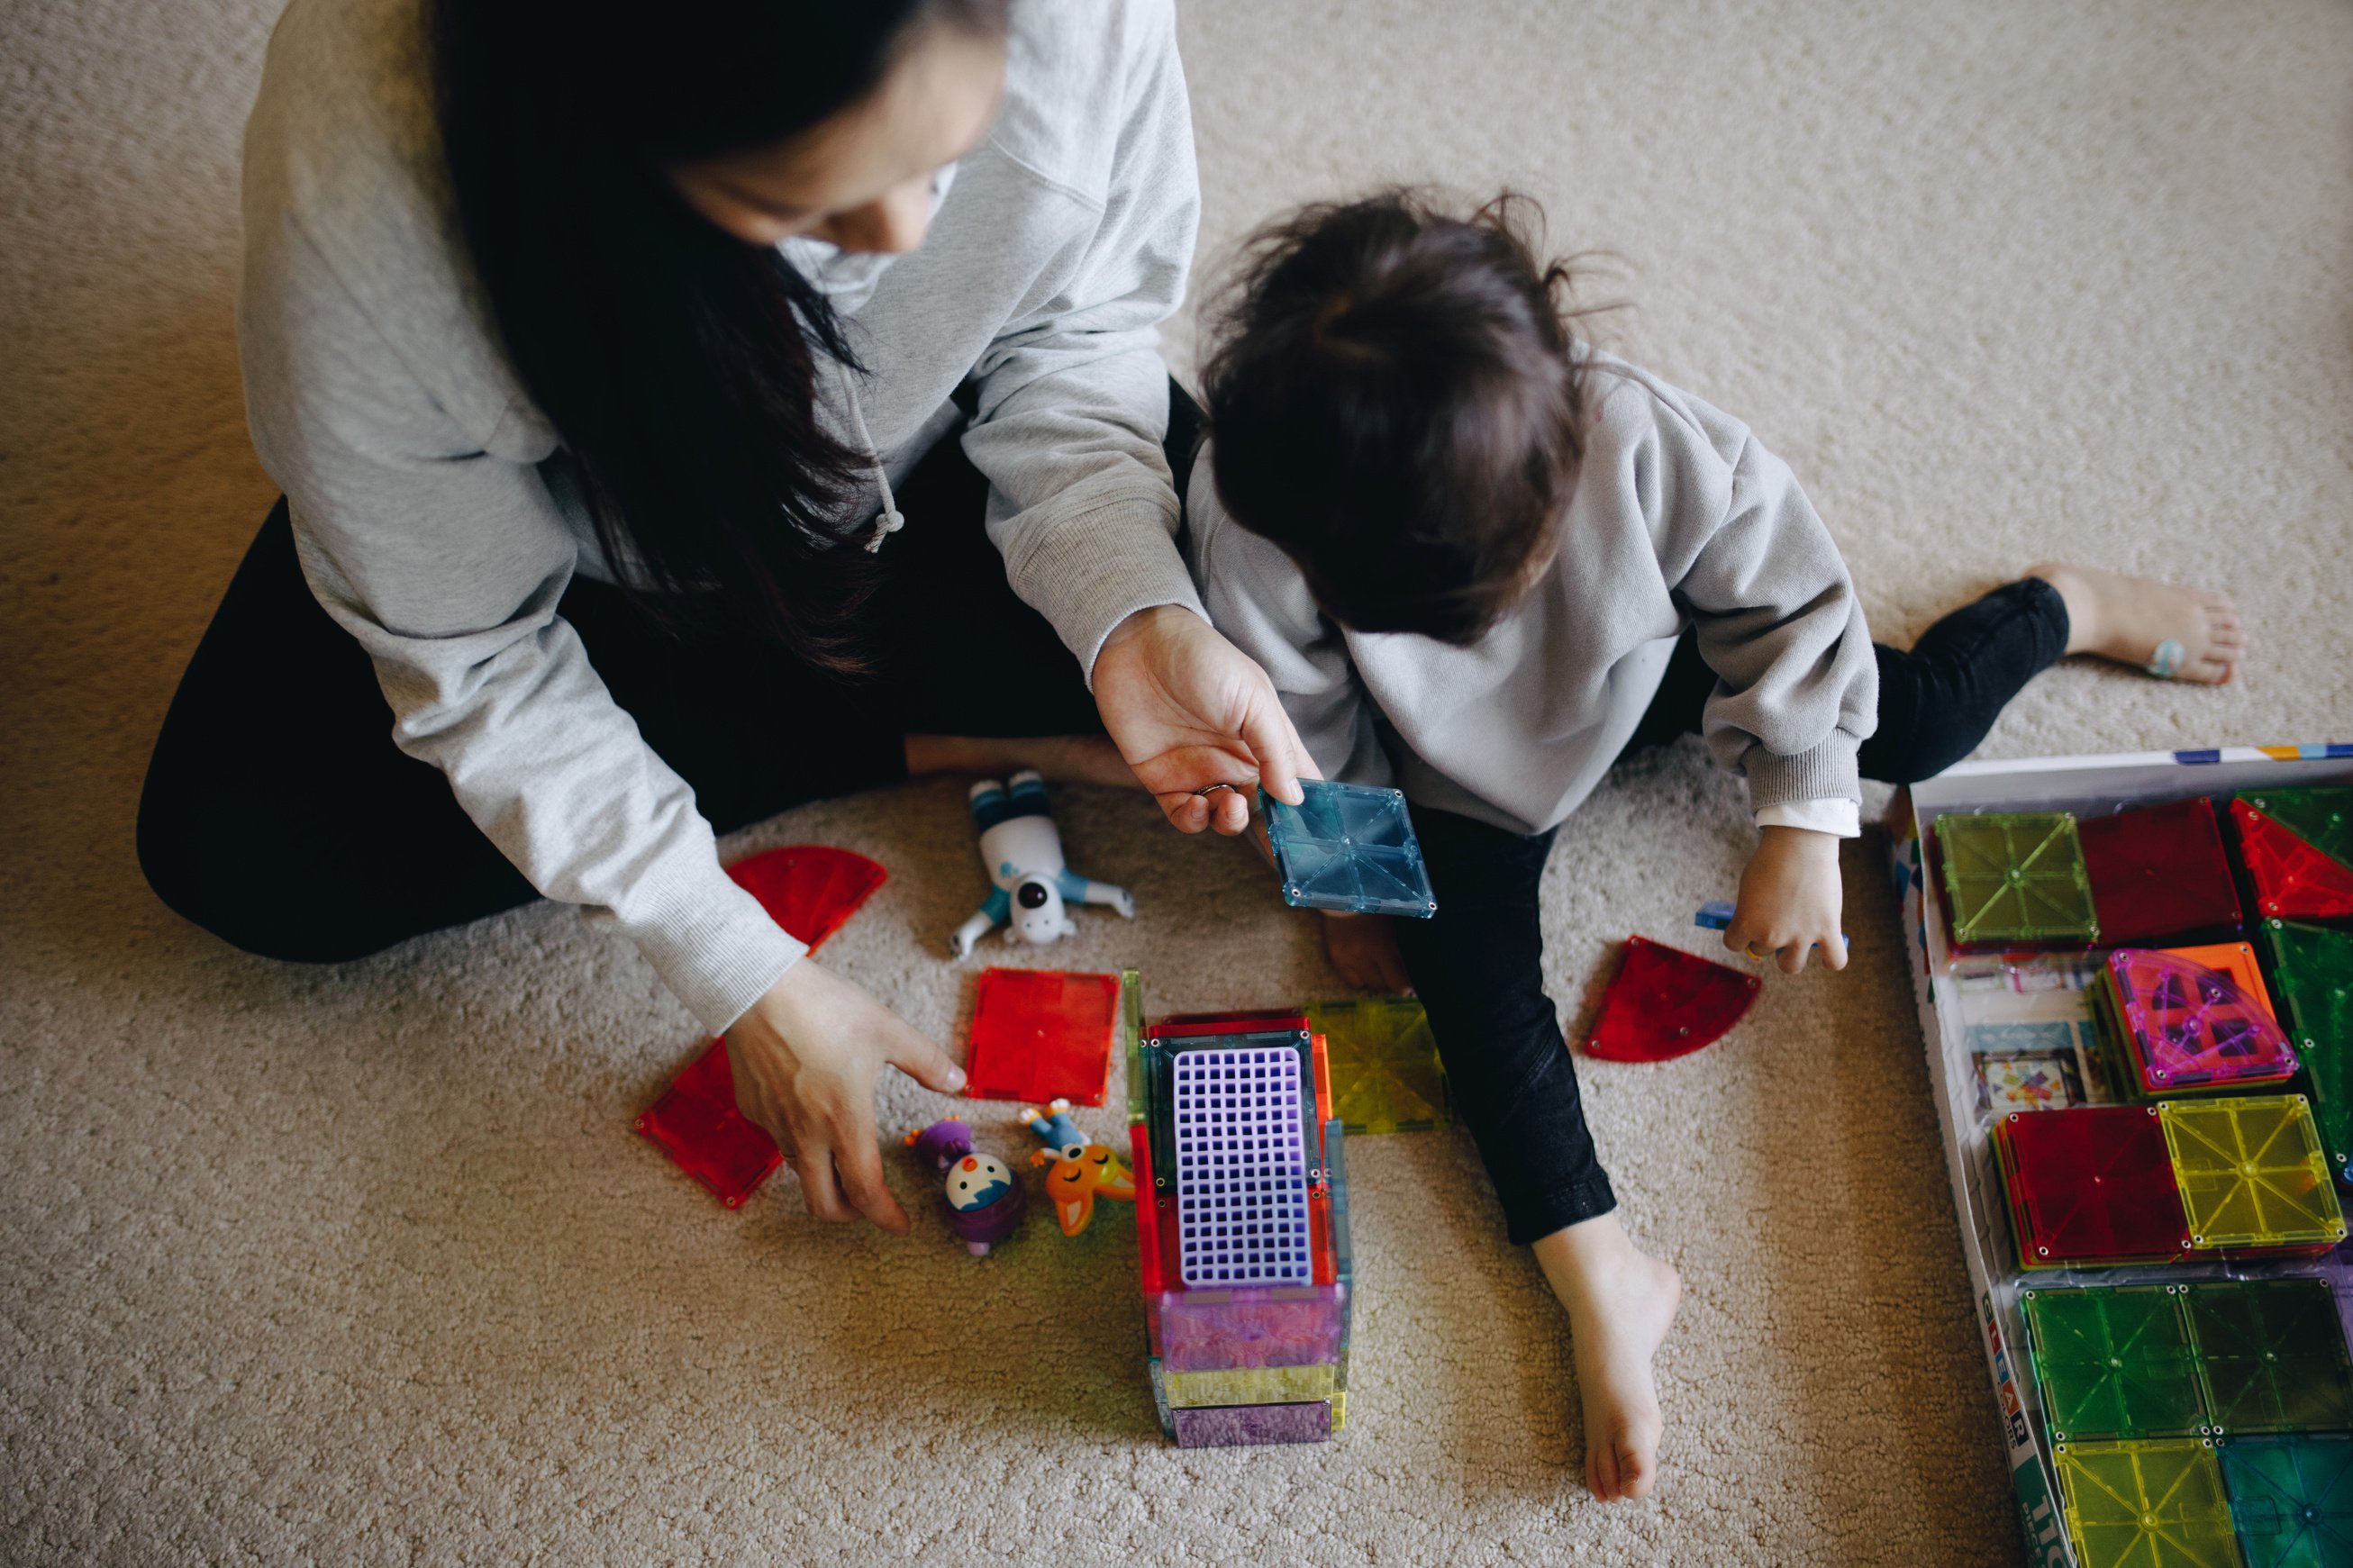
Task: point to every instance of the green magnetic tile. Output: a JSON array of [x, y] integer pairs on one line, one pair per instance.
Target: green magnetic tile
[[2252, 1172], [2312, 978], [2322, 817], [1131, 1026], [2108, 1039], [1385, 1075], [1158, 1378], [2016, 877], [2292, 1501], [2271, 1356], [2145, 1505], [1251, 1385], [2114, 1363]]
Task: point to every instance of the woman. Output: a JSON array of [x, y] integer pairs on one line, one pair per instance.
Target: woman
[[601, 370]]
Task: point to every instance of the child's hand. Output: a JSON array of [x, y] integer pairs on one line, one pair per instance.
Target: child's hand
[[1790, 898]]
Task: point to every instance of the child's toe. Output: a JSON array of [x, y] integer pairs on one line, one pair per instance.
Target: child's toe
[[1633, 1471], [1601, 1471]]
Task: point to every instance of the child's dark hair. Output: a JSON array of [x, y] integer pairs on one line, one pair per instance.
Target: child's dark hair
[[1397, 404]]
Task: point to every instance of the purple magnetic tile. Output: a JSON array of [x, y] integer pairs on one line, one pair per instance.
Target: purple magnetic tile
[[1236, 1425], [1241, 1171], [1234, 1330], [2193, 1026]]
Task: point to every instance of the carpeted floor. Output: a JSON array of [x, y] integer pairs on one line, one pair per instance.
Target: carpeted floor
[[365, 1264]]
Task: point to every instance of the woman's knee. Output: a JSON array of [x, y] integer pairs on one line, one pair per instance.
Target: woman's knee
[[202, 858]]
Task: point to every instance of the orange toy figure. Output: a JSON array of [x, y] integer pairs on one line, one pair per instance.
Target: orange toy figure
[[1082, 1172]]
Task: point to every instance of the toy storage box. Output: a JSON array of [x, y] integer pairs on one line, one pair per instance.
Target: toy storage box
[[2088, 786]]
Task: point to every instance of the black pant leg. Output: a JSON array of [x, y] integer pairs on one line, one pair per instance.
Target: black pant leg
[[1478, 967], [1937, 702], [277, 813]]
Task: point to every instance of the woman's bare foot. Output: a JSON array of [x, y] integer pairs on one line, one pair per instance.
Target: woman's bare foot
[[1363, 951], [1620, 1303], [2129, 619], [1062, 759]]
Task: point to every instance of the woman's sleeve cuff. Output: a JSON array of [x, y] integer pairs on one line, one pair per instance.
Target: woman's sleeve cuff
[[712, 944]]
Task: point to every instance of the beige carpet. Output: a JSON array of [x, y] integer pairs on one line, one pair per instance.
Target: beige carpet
[[365, 1264]]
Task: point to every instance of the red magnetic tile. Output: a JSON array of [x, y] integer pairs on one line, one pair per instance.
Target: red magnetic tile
[[1041, 1035], [810, 890], [697, 1124], [2292, 879], [1666, 1003], [2193, 1026], [2158, 873], [2094, 1182]]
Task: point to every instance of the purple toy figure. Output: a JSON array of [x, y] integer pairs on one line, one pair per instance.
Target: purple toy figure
[[982, 1197]]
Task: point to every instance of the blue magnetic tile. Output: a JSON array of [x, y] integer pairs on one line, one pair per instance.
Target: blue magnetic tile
[[1348, 847]]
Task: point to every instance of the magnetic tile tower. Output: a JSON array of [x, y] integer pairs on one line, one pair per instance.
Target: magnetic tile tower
[[1242, 1226]]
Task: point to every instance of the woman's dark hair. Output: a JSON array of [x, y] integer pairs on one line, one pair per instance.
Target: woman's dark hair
[[677, 364], [1395, 402]]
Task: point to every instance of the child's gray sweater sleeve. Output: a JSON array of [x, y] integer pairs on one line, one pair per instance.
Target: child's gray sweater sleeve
[[1744, 554], [1073, 395], [446, 564]]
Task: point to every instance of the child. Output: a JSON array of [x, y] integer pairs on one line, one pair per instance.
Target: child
[[1479, 561]]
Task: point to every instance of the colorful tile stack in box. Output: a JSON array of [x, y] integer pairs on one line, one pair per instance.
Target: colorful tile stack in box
[[2197, 1395], [1242, 1227]]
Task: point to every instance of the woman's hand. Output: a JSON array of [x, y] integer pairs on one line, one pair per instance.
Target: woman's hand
[[1790, 898], [1188, 709], [806, 1059]]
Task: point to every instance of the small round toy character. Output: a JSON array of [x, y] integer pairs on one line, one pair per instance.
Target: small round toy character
[[982, 1197], [1082, 1172], [1023, 851]]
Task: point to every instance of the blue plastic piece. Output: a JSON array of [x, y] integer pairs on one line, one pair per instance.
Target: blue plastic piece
[[1348, 847], [1716, 915], [1335, 1177]]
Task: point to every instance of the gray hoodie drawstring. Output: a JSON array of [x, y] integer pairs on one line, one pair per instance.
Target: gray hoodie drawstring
[[889, 520]]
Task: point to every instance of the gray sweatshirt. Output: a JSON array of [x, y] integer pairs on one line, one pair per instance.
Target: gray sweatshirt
[[437, 518], [1679, 517]]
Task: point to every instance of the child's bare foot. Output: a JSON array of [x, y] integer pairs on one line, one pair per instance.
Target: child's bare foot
[[1620, 1303], [1062, 759], [1364, 950], [2131, 620]]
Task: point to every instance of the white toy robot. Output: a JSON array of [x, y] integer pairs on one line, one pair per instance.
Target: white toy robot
[[1023, 851]]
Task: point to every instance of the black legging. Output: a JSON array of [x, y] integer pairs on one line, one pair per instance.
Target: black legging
[[279, 815], [1478, 963]]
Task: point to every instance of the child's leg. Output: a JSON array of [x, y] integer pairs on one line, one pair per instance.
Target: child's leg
[[1478, 967], [1938, 700]]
